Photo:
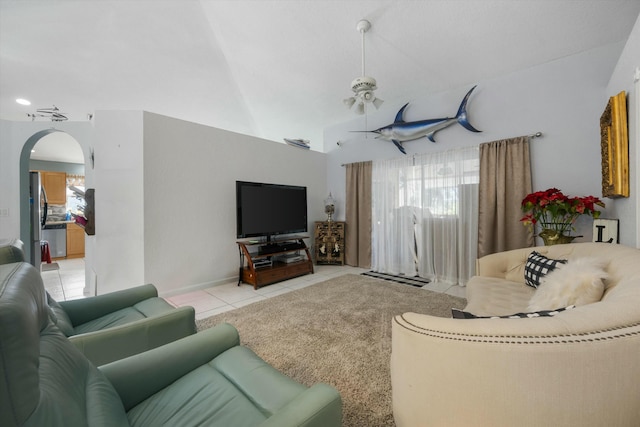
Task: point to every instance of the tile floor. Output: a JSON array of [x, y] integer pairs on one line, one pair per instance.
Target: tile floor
[[68, 283]]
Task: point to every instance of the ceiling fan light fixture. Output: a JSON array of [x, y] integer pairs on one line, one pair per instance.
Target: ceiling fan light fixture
[[377, 102], [349, 101], [360, 108], [368, 96]]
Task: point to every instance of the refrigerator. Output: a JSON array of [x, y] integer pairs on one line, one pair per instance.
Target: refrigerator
[[37, 216]]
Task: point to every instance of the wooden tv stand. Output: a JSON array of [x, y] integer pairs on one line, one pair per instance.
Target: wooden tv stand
[[252, 252]]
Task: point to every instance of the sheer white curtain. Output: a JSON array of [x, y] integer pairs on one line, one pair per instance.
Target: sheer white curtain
[[392, 217], [425, 215]]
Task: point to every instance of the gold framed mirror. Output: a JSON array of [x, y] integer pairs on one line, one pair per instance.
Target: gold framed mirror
[[614, 145]]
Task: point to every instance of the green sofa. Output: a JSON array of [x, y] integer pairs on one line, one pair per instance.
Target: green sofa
[[203, 379], [116, 325]]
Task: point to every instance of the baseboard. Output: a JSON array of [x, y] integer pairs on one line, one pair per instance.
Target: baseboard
[[198, 287]]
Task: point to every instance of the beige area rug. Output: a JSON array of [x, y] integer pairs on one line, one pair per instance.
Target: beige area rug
[[337, 332]]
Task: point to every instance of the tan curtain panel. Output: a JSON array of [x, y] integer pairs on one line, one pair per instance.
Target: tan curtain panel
[[505, 179], [358, 215]]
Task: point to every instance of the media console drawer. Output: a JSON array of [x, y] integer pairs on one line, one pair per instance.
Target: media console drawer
[[279, 272]]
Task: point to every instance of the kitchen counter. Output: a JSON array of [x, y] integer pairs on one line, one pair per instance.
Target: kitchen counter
[[57, 225]]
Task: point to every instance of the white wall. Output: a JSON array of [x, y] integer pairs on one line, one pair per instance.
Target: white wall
[[189, 196], [563, 99], [628, 209], [9, 190], [119, 200]]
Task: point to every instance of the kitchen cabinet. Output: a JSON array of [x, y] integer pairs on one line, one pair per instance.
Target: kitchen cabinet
[[55, 184], [75, 241]]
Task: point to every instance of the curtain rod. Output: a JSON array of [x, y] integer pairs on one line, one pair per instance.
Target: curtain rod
[[533, 135]]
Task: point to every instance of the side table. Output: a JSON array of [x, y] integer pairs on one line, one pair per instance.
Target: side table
[[329, 242]]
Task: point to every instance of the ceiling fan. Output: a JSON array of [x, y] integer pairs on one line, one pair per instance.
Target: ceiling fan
[[364, 86], [53, 113]]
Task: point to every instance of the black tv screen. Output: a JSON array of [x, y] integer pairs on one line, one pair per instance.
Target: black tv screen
[[270, 209]]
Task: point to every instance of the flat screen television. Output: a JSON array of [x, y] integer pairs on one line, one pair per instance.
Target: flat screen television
[[270, 209]]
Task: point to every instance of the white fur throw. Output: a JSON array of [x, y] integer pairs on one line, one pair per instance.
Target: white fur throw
[[578, 282]]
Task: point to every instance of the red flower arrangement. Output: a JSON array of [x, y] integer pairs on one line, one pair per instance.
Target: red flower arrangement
[[555, 211]]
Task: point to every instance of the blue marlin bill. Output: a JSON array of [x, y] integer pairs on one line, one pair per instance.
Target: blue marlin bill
[[400, 131]]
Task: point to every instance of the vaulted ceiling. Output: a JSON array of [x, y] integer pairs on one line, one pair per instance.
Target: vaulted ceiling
[[277, 68]]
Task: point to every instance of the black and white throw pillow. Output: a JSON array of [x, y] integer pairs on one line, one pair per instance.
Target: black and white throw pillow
[[459, 314], [537, 267]]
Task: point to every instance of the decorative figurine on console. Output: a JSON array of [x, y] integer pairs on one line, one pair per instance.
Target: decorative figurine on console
[[329, 207]]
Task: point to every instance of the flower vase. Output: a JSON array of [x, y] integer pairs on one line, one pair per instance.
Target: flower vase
[[554, 237]]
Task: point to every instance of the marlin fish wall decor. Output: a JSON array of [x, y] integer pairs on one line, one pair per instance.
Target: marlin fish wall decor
[[400, 131]]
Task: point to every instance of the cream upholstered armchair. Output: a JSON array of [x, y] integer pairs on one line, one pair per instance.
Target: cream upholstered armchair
[[578, 368]]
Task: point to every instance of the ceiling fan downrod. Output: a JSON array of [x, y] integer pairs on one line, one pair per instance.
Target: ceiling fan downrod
[[364, 85]]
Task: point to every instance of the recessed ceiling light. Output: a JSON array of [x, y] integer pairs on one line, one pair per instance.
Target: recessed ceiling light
[[23, 101]]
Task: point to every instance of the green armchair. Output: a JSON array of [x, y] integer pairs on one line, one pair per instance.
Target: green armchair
[[119, 324], [116, 325], [203, 379]]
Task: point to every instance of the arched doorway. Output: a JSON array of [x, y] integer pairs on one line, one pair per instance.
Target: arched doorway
[[58, 154]]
